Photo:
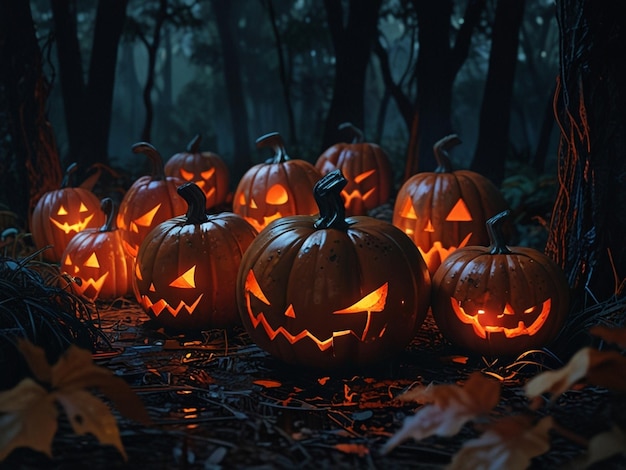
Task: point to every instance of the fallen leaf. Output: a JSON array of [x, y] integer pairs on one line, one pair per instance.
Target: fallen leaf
[[510, 443], [358, 449], [268, 383], [602, 368], [446, 408], [603, 446], [29, 418], [610, 335]]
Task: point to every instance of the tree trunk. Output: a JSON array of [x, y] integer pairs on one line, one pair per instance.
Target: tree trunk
[[35, 168], [234, 86], [589, 221], [353, 38], [495, 114]]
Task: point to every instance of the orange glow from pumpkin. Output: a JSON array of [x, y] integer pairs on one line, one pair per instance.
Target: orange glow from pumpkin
[[145, 220], [277, 195], [373, 302], [85, 283], [522, 329], [160, 305], [187, 280], [459, 213], [75, 227]]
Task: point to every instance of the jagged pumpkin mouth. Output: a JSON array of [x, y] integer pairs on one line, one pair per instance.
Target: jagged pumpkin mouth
[[522, 328], [162, 305], [370, 303], [75, 227]]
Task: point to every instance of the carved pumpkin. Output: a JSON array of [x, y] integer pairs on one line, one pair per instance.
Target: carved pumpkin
[[498, 300], [445, 210], [206, 169], [277, 188], [95, 258], [367, 168], [329, 291], [149, 201], [186, 269], [61, 214]]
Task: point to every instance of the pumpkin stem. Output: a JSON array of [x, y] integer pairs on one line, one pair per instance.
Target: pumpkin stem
[[497, 244], [109, 207], [327, 193], [194, 145], [158, 171], [69, 171], [441, 148], [196, 202], [357, 134], [275, 141]]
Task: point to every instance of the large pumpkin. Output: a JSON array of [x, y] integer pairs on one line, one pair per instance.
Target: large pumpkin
[[186, 268], [329, 291], [150, 200], [445, 209], [279, 187], [367, 168], [498, 300], [97, 260], [207, 169], [61, 214]]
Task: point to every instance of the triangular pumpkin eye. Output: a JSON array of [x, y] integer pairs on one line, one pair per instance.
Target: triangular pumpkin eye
[[252, 286], [459, 213], [372, 302], [363, 176], [83, 208], [408, 211], [187, 280], [92, 261], [62, 210], [207, 174], [186, 175], [145, 220]]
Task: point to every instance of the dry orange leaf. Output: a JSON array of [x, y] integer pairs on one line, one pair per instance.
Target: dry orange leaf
[[602, 368], [29, 411], [610, 335], [510, 443], [447, 408]]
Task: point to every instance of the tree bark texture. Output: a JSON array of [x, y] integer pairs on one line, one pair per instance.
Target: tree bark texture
[[588, 223], [33, 168]]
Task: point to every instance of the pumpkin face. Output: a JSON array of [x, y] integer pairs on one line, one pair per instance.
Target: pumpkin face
[[277, 188], [445, 210], [61, 214], [367, 168], [206, 169], [497, 300], [332, 291], [149, 201], [186, 269], [96, 259]]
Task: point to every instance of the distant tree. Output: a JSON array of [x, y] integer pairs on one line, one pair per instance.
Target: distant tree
[[425, 101], [353, 34], [589, 220], [88, 102], [495, 114], [31, 166], [225, 21]]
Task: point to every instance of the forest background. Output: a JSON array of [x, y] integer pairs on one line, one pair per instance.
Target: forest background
[[406, 72]]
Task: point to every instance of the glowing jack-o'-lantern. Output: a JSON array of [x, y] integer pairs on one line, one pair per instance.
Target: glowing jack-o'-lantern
[[367, 168], [186, 268], [149, 201], [277, 188], [445, 210], [61, 214], [332, 291], [498, 300], [206, 169], [95, 258]]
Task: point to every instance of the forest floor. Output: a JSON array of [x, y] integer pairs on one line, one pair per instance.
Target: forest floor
[[219, 402]]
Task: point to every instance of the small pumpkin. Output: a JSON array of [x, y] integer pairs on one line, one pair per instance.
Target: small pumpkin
[[279, 187], [186, 268], [365, 165], [150, 200], [446, 209], [61, 214], [329, 291], [498, 300], [97, 260], [207, 169]]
